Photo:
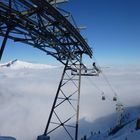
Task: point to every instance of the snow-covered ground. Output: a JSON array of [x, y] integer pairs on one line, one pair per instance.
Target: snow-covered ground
[[27, 91], [126, 132]]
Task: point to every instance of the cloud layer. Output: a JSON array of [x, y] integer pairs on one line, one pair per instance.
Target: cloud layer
[[26, 97]]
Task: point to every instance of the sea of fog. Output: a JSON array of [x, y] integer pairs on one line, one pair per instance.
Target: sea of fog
[[26, 97]]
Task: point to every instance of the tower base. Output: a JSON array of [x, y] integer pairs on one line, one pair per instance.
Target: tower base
[[43, 137]]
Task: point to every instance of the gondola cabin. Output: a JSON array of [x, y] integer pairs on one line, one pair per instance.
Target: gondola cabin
[[103, 98], [114, 98]]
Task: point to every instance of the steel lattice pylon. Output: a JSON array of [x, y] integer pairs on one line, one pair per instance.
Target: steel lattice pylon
[[68, 99], [68, 94], [39, 23], [66, 105]]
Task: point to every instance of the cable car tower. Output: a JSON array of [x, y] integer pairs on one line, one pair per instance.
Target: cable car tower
[[41, 24]]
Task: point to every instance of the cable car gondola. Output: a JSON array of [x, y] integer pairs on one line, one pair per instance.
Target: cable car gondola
[[114, 98], [103, 98]]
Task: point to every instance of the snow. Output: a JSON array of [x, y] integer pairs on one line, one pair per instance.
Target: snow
[[127, 132], [27, 91], [17, 64]]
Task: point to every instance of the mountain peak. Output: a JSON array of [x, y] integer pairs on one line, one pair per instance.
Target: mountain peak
[[17, 64]]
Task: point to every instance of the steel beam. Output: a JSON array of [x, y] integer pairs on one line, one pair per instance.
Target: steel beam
[[78, 101], [4, 43]]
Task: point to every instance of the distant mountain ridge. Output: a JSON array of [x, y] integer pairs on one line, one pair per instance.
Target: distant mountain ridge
[[17, 64]]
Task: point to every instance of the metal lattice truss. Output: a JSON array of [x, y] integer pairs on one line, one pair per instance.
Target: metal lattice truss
[[65, 110], [39, 24]]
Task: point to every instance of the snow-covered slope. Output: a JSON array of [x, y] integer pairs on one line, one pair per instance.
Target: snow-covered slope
[[126, 131], [16, 64]]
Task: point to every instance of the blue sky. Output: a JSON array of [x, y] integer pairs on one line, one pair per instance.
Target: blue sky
[[113, 32]]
